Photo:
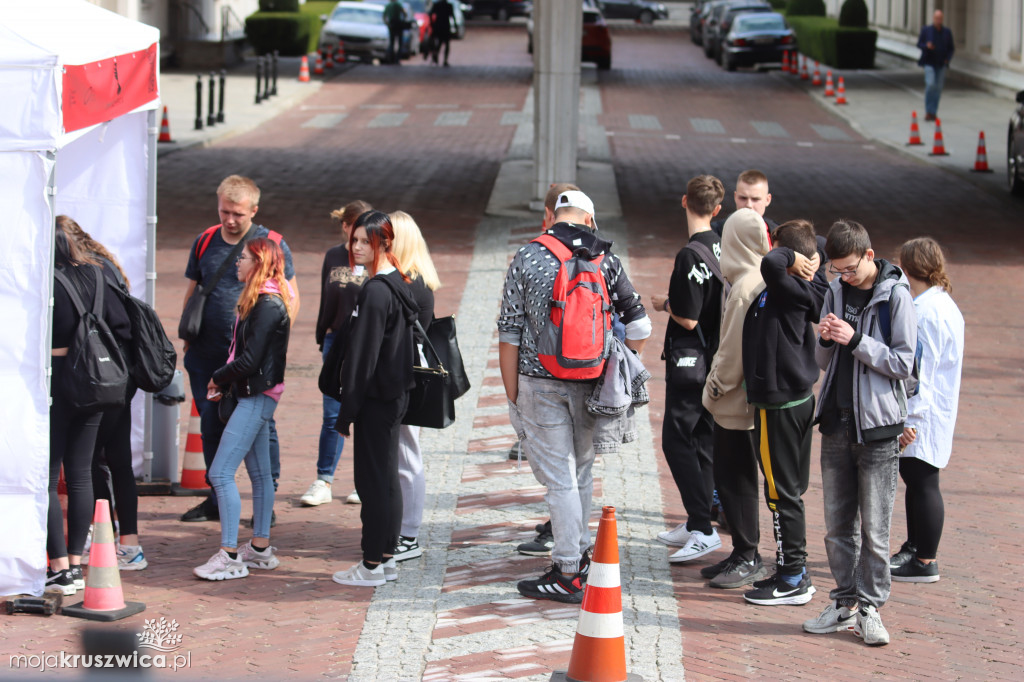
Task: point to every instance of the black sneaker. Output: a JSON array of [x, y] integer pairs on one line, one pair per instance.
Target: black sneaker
[[554, 585], [77, 576], [514, 452], [407, 548], [585, 566], [709, 572], [540, 546], [916, 571], [907, 553], [775, 591], [60, 581], [739, 573], [543, 527], [273, 520], [204, 511]]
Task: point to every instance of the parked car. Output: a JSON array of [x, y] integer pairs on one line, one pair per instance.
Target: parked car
[[643, 11], [360, 26], [754, 39], [500, 10], [1015, 148], [719, 22], [695, 21], [705, 18], [596, 42]]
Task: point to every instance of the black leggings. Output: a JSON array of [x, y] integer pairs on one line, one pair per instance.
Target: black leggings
[[114, 446], [375, 470], [72, 439], [925, 510]]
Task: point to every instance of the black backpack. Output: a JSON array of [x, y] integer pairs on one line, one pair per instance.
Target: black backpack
[[96, 375], [152, 354]]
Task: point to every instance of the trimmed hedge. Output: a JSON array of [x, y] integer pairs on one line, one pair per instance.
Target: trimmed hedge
[[279, 5], [854, 14], [822, 38], [778, 4], [805, 8], [292, 33]]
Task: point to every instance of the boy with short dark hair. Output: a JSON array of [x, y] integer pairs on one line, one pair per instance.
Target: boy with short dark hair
[[779, 370], [866, 346]]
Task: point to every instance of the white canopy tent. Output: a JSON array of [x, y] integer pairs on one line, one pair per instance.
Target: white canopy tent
[[80, 88]]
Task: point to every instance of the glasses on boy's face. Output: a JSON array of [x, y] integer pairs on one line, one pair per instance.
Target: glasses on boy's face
[[846, 271]]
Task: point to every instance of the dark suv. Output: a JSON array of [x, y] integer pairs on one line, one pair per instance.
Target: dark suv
[[1015, 148]]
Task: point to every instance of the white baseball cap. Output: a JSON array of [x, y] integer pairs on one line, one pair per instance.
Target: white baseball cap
[[577, 199]]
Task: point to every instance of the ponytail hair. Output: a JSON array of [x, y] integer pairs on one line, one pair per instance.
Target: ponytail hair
[[923, 260], [381, 235]]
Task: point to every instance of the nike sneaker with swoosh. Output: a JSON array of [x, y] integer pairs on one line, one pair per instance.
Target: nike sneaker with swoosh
[[775, 591], [834, 618]]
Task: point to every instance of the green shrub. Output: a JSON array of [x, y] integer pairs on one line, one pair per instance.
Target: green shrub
[[854, 14], [822, 38], [318, 7], [279, 5], [292, 33], [855, 48], [805, 8], [778, 4]]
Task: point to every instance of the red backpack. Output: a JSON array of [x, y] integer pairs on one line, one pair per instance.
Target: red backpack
[[576, 338]]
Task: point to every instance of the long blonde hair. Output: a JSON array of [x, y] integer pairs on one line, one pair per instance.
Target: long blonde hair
[[411, 250], [269, 265]]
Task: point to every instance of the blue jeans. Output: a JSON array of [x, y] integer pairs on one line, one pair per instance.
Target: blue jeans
[[200, 369], [859, 487], [934, 78], [246, 437], [331, 442]]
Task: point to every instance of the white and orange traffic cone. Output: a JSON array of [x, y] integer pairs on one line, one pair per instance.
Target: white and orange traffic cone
[[339, 53], [599, 650], [841, 92], [318, 65], [785, 62], [104, 599], [193, 468], [816, 81], [304, 70], [829, 88], [939, 145], [981, 160], [804, 76], [329, 60], [915, 131], [165, 129]]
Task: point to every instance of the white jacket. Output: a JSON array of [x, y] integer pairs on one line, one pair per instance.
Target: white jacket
[[940, 332]]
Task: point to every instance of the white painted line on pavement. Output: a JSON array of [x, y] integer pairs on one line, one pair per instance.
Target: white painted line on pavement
[[738, 140], [437, 106], [707, 125], [672, 137], [387, 120], [453, 118], [804, 144], [324, 121], [769, 129], [644, 122], [380, 106]]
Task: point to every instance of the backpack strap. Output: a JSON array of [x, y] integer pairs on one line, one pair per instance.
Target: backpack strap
[[76, 299], [710, 260], [204, 240], [557, 248]]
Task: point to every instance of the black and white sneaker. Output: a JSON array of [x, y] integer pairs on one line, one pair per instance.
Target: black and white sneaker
[[906, 554], [540, 546], [543, 527], [916, 571], [407, 548], [554, 585], [739, 573], [775, 591], [60, 581], [77, 576]]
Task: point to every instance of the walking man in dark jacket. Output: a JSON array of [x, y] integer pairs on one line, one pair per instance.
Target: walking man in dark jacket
[[441, 16], [394, 18], [936, 43]]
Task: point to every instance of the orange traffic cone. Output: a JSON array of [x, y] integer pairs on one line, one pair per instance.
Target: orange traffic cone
[[938, 146], [304, 70], [165, 129], [841, 93], [599, 651], [104, 599], [318, 65], [329, 61], [816, 81], [829, 89], [339, 53], [981, 160], [915, 131], [804, 76], [193, 468], [785, 62]]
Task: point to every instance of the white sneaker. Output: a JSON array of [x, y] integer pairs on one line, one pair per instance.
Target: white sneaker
[[254, 558], [318, 493], [697, 546], [360, 576], [676, 537], [131, 558], [868, 626], [390, 569], [353, 498], [221, 567], [834, 618]]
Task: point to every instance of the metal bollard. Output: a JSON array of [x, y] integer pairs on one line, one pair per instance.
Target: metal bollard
[[223, 80], [211, 119], [199, 102], [273, 89], [259, 78], [266, 78]]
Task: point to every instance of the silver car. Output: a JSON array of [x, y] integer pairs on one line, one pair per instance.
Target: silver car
[[360, 26]]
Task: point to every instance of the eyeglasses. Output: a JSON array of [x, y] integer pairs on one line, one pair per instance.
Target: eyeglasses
[[846, 271], [242, 258]]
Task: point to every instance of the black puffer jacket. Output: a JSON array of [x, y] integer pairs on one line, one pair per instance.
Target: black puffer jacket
[[261, 348]]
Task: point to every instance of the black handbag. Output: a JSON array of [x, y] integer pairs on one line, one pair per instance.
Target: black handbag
[[329, 381], [432, 400], [191, 323], [685, 364], [442, 335], [226, 405]]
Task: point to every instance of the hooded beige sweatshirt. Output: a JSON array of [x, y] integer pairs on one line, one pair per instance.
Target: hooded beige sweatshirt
[[744, 243]]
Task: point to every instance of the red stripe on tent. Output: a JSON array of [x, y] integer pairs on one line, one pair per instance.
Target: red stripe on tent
[[101, 91], [602, 599]]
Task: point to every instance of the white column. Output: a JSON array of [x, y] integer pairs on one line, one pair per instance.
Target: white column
[[557, 33]]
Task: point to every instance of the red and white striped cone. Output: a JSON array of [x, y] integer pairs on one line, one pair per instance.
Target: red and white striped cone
[[816, 81], [841, 92], [829, 88], [915, 131], [785, 62], [981, 160], [193, 467], [804, 76], [104, 599], [304, 70], [165, 129], [329, 60], [318, 65], [339, 53], [938, 145]]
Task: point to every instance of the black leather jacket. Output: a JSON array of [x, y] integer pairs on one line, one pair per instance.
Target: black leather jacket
[[261, 347]]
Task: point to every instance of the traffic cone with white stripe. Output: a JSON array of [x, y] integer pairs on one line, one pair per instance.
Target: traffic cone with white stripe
[[829, 88], [318, 65], [816, 81], [329, 60], [915, 131], [938, 145], [165, 129], [803, 69], [104, 599], [193, 468], [304, 70], [841, 93], [785, 62], [981, 160], [599, 651]]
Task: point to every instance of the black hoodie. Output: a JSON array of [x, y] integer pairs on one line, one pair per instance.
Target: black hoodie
[[380, 354]]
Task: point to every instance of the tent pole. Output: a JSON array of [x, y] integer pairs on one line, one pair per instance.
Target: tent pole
[[153, 128], [51, 199]]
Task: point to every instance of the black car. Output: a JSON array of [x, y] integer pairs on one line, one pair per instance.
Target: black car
[[754, 39], [643, 11], [720, 20], [705, 19], [500, 10], [1015, 148]]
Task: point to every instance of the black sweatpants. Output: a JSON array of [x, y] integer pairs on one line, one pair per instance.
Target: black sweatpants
[[114, 447], [784, 445], [735, 467], [926, 513], [687, 439], [72, 440], [375, 470]]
